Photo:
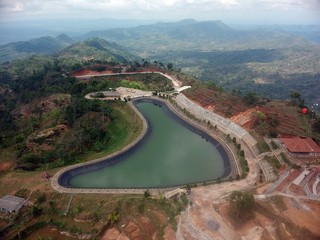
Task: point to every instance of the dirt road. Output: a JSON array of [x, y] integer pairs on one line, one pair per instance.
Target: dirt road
[[205, 218], [202, 220]]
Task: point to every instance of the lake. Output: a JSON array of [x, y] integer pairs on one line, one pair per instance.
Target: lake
[[172, 153]]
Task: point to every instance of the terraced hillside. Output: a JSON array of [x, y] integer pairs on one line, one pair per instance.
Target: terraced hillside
[[280, 116]]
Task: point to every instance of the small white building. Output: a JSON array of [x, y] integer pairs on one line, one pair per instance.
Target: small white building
[[12, 204]]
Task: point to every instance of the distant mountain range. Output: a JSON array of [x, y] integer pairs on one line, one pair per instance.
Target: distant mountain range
[[189, 34], [183, 30], [272, 61], [13, 31], [161, 38], [64, 46], [44, 45]]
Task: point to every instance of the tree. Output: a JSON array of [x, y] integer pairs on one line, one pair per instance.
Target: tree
[[41, 199], [145, 63], [250, 98], [316, 125], [273, 120], [242, 202], [296, 99], [147, 193], [169, 66], [36, 211], [70, 115], [161, 65], [114, 217], [260, 122]]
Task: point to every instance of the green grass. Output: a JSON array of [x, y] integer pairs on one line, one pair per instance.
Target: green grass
[[96, 207], [51, 119], [305, 123], [126, 127], [285, 159], [263, 147]]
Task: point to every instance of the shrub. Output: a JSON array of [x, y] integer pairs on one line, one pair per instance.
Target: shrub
[[147, 193], [242, 202], [41, 199]]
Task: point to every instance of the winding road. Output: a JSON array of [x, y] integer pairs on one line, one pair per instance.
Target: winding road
[[201, 220]]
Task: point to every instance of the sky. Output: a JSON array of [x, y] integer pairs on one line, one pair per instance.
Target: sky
[[229, 11]]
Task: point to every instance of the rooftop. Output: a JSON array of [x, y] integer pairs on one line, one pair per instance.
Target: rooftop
[[301, 145], [11, 203]]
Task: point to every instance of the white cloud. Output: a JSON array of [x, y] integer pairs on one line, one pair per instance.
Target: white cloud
[[230, 3], [155, 9]]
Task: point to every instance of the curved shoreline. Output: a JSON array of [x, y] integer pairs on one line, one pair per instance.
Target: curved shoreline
[[55, 179], [114, 157]]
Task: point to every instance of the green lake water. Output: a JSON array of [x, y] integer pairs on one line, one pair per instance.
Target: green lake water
[[172, 155]]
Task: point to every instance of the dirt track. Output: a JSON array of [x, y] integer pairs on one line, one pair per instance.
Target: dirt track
[[205, 219], [201, 220]]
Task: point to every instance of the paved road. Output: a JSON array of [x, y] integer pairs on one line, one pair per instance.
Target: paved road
[[193, 222], [195, 225]]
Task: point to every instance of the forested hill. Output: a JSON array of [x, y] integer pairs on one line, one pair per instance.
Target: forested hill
[[63, 46], [193, 35], [270, 61], [98, 49], [43, 45]]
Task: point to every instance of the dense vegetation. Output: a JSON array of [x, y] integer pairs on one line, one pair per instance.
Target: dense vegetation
[[270, 73], [267, 61], [46, 122], [43, 45], [44, 117]]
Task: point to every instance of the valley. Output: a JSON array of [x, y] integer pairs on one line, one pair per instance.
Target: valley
[[272, 62], [243, 88]]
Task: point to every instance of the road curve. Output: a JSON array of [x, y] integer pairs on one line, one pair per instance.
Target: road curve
[[203, 197]]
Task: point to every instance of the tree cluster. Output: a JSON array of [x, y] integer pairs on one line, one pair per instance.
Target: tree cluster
[[242, 202]]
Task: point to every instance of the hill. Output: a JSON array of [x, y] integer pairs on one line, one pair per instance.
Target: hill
[[272, 61], [43, 45], [279, 117], [190, 34], [17, 30], [97, 49]]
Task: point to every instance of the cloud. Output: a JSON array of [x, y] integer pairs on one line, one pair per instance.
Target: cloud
[[230, 3], [155, 9], [284, 4], [11, 6], [8, 5]]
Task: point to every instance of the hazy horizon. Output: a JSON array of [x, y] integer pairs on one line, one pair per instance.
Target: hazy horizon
[[243, 12]]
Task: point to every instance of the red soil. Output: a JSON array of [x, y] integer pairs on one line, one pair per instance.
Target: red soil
[[5, 166], [109, 70], [83, 72], [233, 107], [288, 180], [298, 190]]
